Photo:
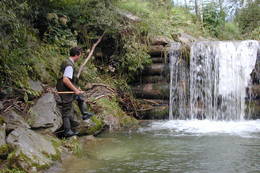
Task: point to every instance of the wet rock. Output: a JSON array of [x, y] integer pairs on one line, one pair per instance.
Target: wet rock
[[32, 149], [255, 75], [156, 112], [160, 40], [2, 135], [45, 114], [14, 121], [36, 86], [186, 39]]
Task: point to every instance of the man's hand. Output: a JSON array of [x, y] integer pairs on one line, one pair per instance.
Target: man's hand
[[79, 91]]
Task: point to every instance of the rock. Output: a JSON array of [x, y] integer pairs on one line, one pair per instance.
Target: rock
[[32, 149], [160, 40], [1, 105], [36, 86], [2, 135], [14, 121], [156, 112], [129, 16], [45, 114], [255, 75], [186, 39]]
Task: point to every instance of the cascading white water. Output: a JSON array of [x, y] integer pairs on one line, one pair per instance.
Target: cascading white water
[[219, 75], [178, 86]]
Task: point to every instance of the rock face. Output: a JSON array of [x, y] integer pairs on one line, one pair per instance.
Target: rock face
[[36, 86], [32, 149], [45, 114], [13, 121], [2, 135]]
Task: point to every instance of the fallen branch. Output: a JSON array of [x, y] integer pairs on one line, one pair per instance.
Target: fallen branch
[[89, 55], [150, 101], [91, 85]]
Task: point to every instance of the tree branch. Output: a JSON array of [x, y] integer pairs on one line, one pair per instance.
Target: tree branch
[[90, 54]]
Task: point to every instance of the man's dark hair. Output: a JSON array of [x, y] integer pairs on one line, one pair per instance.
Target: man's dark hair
[[75, 51]]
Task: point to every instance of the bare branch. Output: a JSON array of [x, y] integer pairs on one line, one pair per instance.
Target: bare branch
[[89, 55]]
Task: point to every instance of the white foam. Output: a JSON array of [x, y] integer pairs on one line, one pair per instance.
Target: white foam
[[241, 128]]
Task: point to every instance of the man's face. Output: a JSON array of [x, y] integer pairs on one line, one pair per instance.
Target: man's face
[[78, 57]]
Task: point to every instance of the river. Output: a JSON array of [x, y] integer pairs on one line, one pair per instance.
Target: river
[[177, 146]]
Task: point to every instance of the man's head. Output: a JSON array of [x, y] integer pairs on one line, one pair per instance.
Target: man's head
[[75, 53]]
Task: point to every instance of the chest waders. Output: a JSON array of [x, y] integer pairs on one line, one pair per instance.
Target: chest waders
[[65, 103]]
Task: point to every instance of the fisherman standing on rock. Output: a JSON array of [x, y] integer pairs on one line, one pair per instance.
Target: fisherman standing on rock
[[66, 83]]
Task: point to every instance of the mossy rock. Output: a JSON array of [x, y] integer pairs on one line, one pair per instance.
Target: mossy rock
[[5, 150], [113, 115]]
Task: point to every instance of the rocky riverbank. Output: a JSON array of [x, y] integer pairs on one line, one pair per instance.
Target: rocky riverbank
[[29, 140]]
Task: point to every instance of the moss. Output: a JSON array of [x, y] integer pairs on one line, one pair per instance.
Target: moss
[[73, 145], [99, 124], [2, 120], [16, 170], [18, 160], [5, 149], [110, 106]]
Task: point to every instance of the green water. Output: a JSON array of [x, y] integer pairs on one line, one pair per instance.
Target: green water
[[170, 150]]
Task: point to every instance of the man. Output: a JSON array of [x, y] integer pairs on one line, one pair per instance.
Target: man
[[67, 83]]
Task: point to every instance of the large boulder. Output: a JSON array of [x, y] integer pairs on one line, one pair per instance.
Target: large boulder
[[32, 150], [45, 114], [14, 120]]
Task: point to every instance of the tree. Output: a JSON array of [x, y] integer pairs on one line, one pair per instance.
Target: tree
[[248, 18]]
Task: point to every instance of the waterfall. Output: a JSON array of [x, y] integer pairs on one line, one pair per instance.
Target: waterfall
[[218, 78], [178, 83]]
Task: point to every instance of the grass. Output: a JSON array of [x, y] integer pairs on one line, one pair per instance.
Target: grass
[[162, 21]]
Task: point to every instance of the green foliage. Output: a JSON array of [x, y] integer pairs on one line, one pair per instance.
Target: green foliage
[[133, 57], [161, 18], [15, 170], [15, 43], [230, 32], [58, 31], [213, 19], [248, 18]]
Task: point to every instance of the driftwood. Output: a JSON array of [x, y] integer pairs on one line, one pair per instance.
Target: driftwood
[[92, 85], [89, 55]]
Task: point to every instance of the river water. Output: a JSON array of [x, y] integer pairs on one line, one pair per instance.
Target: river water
[[177, 146]]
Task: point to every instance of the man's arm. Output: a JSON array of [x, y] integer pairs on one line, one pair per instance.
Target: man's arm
[[70, 85]]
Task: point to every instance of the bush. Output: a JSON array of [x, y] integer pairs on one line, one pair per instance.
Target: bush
[[230, 32], [213, 19], [248, 18]]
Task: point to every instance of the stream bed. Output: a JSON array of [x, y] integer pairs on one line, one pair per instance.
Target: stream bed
[[176, 146]]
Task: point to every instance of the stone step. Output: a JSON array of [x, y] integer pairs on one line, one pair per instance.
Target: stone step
[[156, 69], [152, 91], [158, 50], [160, 59], [154, 79]]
